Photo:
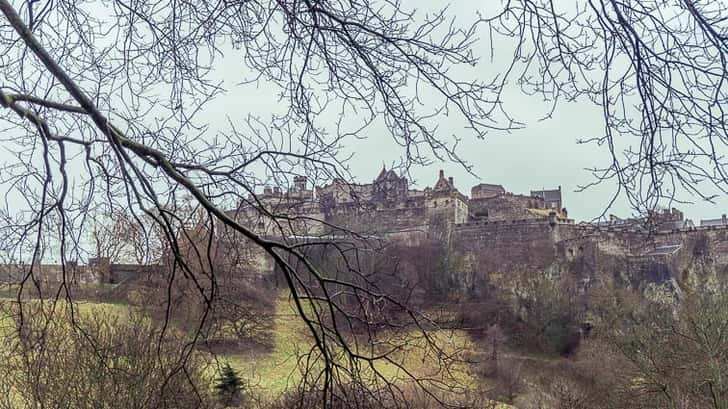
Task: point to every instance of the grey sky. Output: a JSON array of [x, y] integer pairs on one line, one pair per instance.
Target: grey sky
[[543, 155]]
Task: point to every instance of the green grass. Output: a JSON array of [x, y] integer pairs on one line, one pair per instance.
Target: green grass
[[80, 309]]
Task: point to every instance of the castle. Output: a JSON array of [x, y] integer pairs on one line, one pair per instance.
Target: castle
[[389, 205], [491, 231]]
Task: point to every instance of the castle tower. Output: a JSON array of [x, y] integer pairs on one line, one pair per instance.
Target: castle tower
[[446, 202], [389, 188]]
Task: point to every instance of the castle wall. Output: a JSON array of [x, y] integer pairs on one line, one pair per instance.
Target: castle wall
[[50, 273], [636, 243], [504, 207], [304, 220], [492, 233], [637, 259], [380, 221], [505, 246]]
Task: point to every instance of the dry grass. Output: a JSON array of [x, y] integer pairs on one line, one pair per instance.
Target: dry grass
[[270, 372], [275, 371]]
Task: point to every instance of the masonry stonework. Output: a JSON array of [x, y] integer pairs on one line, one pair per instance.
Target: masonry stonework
[[498, 232], [492, 232]]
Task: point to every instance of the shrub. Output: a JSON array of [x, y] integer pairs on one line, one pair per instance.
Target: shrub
[[561, 337], [507, 381], [98, 359], [399, 396]]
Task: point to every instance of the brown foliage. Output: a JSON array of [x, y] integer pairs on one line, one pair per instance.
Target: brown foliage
[[57, 359], [406, 396]]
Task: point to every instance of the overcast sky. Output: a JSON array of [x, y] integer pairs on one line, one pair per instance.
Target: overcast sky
[[544, 154]]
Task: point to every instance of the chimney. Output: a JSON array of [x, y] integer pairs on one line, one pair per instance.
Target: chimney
[[277, 191], [267, 191], [724, 220], [451, 181], [442, 174]]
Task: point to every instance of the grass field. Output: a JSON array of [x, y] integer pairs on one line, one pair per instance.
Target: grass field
[[271, 371]]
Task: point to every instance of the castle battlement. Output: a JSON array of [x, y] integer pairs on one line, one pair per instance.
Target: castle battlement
[[388, 204], [493, 231]]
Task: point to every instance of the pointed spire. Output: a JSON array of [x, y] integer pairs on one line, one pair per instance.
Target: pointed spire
[[382, 173]]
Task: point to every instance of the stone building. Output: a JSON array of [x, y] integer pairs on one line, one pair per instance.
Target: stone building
[[487, 190], [493, 231], [387, 205], [390, 209], [551, 198], [723, 221]]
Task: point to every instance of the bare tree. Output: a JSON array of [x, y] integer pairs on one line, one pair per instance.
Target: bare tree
[[652, 354], [120, 238], [103, 105], [656, 68]]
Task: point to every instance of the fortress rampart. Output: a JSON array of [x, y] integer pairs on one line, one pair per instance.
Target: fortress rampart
[[499, 232], [491, 232]]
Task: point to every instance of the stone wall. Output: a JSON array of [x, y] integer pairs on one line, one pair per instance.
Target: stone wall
[[591, 255], [96, 272], [637, 259], [381, 221], [507, 206], [505, 246], [50, 273]]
